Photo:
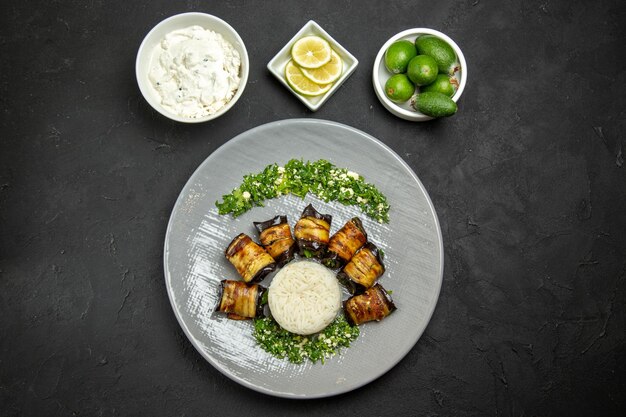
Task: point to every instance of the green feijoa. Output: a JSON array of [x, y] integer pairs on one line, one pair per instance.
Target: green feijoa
[[399, 88], [438, 49], [435, 104], [441, 85], [422, 70], [398, 55]]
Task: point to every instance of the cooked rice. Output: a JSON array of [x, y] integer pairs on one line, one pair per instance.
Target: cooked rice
[[304, 297]]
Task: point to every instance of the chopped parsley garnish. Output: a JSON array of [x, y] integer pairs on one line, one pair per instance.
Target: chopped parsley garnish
[[320, 178], [283, 344]]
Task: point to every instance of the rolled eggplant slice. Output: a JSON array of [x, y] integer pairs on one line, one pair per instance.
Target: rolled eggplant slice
[[251, 261], [312, 233], [364, 268], [374, 304], [343, 245], [240, 300], [275, 236]]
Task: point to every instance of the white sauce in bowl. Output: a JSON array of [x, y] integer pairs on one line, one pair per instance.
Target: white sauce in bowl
[[195, 72]]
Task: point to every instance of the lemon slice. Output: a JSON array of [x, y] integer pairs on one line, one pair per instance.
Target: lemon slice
[[326, 73], [311, 52], [302, 84]]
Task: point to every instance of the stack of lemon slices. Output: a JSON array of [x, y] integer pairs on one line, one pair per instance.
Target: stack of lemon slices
[[314, 66]]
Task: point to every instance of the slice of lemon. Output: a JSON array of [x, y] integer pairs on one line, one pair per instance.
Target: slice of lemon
[[326, 73], [302, 84], [311, 52]]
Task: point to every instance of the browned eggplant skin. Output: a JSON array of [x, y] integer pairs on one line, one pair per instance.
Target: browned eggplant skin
[[312, 232], [374, 304], [252, 262], [239, 300], [344, 243], [365, 267], [275, 236]]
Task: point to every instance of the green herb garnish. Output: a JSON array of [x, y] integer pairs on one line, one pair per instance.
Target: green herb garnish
[[320, 178], [283, 344]]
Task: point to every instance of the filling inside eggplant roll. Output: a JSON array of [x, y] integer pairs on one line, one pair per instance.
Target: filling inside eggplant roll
[[312, 233], [363, 269], [374, 304], [344, 244], [251, 261], [240, 300], [275, 236]]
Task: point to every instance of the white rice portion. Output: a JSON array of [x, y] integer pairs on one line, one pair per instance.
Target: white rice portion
[[304, 297]]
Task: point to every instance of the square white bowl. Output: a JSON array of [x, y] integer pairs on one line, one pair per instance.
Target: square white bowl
[[277, 65]]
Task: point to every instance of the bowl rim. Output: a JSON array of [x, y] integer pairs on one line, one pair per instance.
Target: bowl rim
[[379, 89], [145, 52]]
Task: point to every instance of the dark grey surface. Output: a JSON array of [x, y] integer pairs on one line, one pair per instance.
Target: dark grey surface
[[528, 181]]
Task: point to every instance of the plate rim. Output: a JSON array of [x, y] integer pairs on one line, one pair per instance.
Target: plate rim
[[196, 343]]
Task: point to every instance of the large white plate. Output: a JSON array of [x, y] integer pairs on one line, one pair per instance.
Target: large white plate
[[197, 236]]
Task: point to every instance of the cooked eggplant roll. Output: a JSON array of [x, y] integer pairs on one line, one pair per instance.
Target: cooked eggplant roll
[[312, 232], [344, 244], [275, 236], [363, 269], [240, 300], [374, 304], [251, 261]]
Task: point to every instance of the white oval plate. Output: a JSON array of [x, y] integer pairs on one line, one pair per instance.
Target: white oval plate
[[197, 236]]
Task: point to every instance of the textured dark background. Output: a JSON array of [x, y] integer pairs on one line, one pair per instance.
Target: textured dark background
[[527, 179]]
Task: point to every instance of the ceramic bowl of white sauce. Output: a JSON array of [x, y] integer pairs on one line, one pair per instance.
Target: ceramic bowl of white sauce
[[192, 67]]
